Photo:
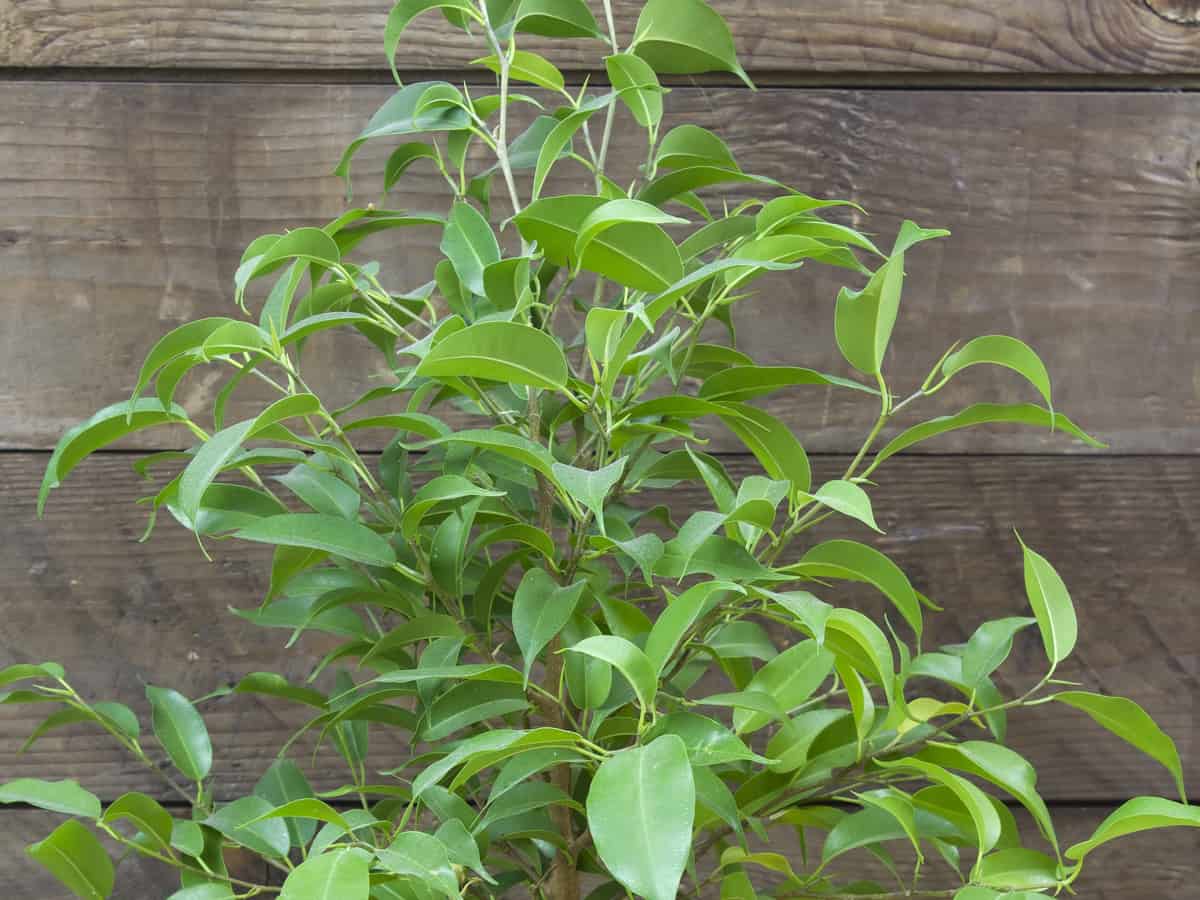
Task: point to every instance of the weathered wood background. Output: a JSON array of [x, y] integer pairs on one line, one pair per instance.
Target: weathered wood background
[[142, 144]]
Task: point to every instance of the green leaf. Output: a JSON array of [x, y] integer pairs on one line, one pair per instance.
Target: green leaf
[[628, 659], [282, 783], [708, 742], [1051, 605], [75, 857], [106, 426], [268, 837], [513, 446], [470, 244], [640, 809], [1138, 814], [685, 37], [499, 351], [404, 11], [862, 704], [556, 19], [637, 85], [470, 702], [321, 490], [772, 443], [461, 848], [690, 145], [541, 607], [1001, 350], [635, 254], [847, 498], [65, 797], [789, 679], [525, 798], [1018, 869], [589, 487], [405, 113], [1003, 767], [748, 382], [421, 856], [181, 732], [980, 414], [989, 647], [866, 828], [443, 489], [1128, 721], [616, 213], [403, 157], [311, 245], [680, 615], [553, 223], [853, 561], [860, 642], [527, 67], [26, 671], [864, 319], [675, 185], [319, 532], [341, 873], [145, 814], [556, 145], [205, 890], [975, 801]]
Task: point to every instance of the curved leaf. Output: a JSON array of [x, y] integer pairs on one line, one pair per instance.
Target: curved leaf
[[76, 858], [181, 732], [1138, 814], [65, 797], [685, 37], [1051, 605], [319, 532], [499, 351], [541, 607]]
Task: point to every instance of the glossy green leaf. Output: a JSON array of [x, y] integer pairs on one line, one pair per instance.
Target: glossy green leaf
[[708, 742], [771, 442], [640, 809], [402, 158], [680, 615], [590, 487], [513, 446], [528, 67], [1001, 350], [1133, 816], [862, 704], [627, 659], [685, 37], [181, 732], [342, 873], [282, 783], [421, 856], [1018, 869], [637, 85], [404, 11], [690, 145], [852, 561], [982, 414], [470, 244], [983, 813], [145, 814], [1051, 604], [541, 607], [748, 382], [989, 647], [1128, 721], [242, 822], [555, 18], [103, 428], [864, 319], [499, 351], [555, 146], [847, 498], [74, 856], [470, 702], [65, 797], [319, 532], [789, 679]]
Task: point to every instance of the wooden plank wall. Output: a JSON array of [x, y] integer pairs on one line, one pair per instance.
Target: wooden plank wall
[[142, 144]]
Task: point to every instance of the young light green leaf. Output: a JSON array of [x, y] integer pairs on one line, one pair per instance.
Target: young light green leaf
[[1000, 350], [989, 647], [421, 856], [1018, 869], [319, 532], [862, 704], [499, 351], [640, 809], [65, 797], [528, 67], [983, 813], [748, 382], [847, 498], [981, 414], [555, 18], [1138, 814], [853, 561], [690, 145], [541, 607], [589, 487], [181, 732], [680, 615], [1132, 724], [74, 856], [556, 145], [242, 822], [404, 11], [1051, 605], [772, 443], [864, 319], [685, 37], [636, 84], [340, 873]]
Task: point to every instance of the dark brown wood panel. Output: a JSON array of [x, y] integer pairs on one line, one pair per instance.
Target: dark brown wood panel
[[1158, 864], [946, 36], [1074, 219], [76, 588]]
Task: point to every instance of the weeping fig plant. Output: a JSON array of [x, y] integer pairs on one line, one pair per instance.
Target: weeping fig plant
[[576, 685]]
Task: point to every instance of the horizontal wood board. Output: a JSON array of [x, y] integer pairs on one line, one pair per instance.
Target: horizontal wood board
[[792, 36], [1074, 217], [77, 589], [1158, 864]]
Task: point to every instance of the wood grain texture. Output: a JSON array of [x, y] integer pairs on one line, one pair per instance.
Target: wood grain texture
[[947, 36], [1075, 220], [1157, 864], [1122, 532]]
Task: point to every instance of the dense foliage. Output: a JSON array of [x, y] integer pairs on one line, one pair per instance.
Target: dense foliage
[[589, 691]]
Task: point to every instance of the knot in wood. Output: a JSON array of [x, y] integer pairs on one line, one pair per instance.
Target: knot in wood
[[1180, 12]]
